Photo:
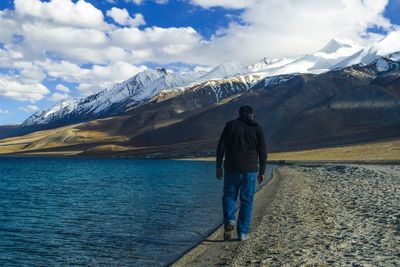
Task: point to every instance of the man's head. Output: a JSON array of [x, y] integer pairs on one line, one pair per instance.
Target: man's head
[[246, 112]]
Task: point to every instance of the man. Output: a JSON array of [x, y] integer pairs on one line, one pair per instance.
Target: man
[[243, 144]]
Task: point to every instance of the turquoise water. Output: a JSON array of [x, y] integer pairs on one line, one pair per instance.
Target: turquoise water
[[113, 212]]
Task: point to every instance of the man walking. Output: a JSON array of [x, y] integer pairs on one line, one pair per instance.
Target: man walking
[[243, 144]]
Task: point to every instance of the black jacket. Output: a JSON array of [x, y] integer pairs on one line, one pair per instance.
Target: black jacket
[[243, 143]]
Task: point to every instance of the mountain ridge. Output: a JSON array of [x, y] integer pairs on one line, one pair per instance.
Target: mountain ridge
[[144, 86], [163, 113], [299, 111]]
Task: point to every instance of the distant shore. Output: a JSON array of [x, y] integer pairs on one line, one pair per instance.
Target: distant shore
[[328, 214], [378, 151]]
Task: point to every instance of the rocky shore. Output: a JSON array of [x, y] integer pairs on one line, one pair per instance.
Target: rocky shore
[[316, 215]]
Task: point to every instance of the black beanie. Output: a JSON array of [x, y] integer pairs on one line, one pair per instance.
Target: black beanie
[[245, 111]]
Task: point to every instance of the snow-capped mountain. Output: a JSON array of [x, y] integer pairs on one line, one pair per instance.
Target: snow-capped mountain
[[332, 54], [157, 85], [336, 54], [387, 47], [141, 88], [269, 63], [223, 88], [122, 96], [224, 70]]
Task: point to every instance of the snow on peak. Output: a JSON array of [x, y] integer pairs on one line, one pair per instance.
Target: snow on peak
[[121, 96], [142, 87], [330, 56], [61, 109], [388, 45], [395, 56], [146, 76], [338, 43], [269, 63], [223, 71], [167, 81]]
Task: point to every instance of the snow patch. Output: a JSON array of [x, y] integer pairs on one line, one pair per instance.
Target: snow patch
[[223, 71]]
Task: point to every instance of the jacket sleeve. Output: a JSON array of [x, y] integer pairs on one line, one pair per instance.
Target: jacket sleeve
[[221, 148], [262, 151]]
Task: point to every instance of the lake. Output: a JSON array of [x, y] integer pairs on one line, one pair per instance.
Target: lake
[[96, 212]]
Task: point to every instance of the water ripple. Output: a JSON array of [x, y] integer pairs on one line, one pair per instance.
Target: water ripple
[[57, 212]]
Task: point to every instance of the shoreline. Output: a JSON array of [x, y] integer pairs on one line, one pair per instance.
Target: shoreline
[[374, 151], [208, 159], [261, 199], [320, 215]]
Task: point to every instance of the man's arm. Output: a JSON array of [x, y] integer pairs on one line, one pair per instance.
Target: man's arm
[[262, 153], [221, 148]]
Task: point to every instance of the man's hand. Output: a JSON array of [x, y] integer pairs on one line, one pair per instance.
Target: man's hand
[[261, 178], [218, 173]]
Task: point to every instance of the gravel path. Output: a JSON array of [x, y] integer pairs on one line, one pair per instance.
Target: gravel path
[[328, 215]]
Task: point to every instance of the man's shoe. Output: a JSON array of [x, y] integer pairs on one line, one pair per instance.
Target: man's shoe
[[228, 230], [243, 236]]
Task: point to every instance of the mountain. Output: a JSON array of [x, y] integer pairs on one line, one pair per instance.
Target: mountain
[[336, 54], [159, 84], [330, 56], [141, 88], [360, 103], [188, 93], [132, 92], [269, 63], [388, 47], [302, 111], [224, 70]]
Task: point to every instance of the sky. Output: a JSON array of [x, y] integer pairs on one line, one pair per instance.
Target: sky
[[54, 50]]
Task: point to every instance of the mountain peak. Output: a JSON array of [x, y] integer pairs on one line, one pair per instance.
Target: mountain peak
[[388, 45], [337, 43], [162, 71], [224, 70]]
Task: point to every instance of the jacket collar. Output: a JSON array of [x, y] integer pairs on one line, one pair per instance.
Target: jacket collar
[[248, 121]]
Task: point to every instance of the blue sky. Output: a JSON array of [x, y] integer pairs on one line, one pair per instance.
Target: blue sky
[[47, 55]]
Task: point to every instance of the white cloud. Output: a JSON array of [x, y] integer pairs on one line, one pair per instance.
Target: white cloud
[[65, 12], [44, 38], [137, 2], [9, 57], [58, 96], [121, 16], [55, 44], [70, 72], [104, 56], [87, 89], [90, 79], [62, 88], [202, 69], [236, 4], [157, 44], [32, 73], [61, 95], [17, 90], [62, 69], [30, 108], [4, 111], [291, 28], [63, 36], [100, 77]]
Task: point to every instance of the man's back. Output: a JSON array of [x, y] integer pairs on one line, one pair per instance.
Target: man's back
[[243, 143]]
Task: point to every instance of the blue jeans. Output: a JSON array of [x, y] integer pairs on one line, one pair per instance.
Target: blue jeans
[[245, 182]]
